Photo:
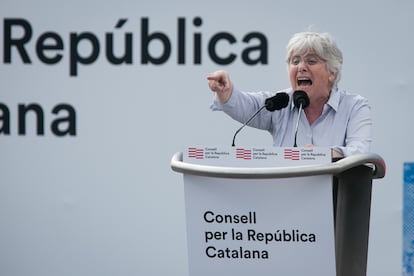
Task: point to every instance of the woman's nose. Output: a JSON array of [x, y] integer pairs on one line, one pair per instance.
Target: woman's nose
[[302, 67]]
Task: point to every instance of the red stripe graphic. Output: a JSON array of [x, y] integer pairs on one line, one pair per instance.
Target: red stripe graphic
[[292, 154], [195, 153], [245, 154]]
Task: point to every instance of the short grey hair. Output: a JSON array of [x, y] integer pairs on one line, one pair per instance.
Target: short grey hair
[[324, 46]]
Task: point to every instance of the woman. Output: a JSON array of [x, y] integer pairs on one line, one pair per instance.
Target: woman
[[334, 118]]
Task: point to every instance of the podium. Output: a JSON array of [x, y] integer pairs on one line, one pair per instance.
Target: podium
[[350, 181]]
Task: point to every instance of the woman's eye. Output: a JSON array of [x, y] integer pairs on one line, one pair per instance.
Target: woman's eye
[[295, 61]]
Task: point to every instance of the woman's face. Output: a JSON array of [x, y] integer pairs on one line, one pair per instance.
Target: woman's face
[[308, 72]]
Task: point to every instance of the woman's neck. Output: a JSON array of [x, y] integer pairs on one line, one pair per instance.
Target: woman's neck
[[313, 113], [315, 108]]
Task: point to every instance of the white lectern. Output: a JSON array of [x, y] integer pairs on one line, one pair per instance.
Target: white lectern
[[236, 238]]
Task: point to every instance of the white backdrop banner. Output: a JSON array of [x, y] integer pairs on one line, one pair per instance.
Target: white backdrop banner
[[96, 96]]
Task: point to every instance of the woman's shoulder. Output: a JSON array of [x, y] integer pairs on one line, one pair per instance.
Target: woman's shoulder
[[349, 99]]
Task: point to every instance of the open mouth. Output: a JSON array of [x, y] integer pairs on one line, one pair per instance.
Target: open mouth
[[304, 82]]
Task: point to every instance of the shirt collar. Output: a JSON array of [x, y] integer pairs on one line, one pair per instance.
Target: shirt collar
[[333, 101]]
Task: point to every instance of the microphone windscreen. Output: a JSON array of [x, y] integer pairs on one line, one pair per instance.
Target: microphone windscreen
[[277, 102], [300, 98]]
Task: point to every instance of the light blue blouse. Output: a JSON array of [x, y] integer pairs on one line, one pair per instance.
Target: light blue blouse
[[345, 123]]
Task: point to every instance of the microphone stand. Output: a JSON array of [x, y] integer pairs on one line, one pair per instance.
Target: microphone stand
[[277, 102], [248, 121], [301, 101], [297, 124]]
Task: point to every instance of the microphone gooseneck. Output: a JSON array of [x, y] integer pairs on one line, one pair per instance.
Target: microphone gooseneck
[[277, 102], [248, 121], [301, 101]]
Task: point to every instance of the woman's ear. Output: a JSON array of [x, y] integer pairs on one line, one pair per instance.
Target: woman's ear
[[332, 77]]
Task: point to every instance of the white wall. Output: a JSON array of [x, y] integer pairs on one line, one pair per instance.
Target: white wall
[[105, 202]]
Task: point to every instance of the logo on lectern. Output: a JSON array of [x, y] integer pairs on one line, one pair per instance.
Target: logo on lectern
[[245, 154], [195, 153], [291, 154]]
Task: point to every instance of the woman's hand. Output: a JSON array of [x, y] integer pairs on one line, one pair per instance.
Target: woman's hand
[[219, 82]]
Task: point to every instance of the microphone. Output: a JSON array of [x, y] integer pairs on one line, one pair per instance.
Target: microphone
[[301, 101], [277, 102]]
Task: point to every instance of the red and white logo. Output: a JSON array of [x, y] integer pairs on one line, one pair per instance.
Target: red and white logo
[[292, 154], [195, 153], [245, 154]]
